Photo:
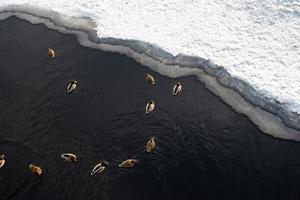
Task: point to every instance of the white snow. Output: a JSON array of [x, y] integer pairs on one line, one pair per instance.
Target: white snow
[[256, 41]]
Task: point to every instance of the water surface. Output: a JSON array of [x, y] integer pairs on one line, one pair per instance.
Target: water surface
[[205, 149]]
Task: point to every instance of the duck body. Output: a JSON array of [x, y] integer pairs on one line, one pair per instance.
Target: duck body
[[150, 144], [128, 163], [2, 161], [36, 170], [149, 79], [177, 89], [71, 86], [150, 107], [51, 53], [70, 157], [99, 168]]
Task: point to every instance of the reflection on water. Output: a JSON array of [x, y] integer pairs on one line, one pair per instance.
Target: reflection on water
[[204, 150]]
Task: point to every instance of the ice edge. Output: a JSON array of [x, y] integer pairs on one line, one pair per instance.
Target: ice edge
[[262, 111]]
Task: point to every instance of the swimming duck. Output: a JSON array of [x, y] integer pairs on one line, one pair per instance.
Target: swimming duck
[[36, 170], [150, 107], [2, 161], [177, 89], [150, 144], [69, 157], [99, 168], [149, 79], [128, 163], [72, 86], [51, 53]]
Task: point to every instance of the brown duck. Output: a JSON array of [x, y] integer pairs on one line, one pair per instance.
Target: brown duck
[[149, 79], [36, 170], [150, 144], [128, 163]]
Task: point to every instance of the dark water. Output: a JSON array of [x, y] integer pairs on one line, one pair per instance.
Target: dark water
[[205, 149]]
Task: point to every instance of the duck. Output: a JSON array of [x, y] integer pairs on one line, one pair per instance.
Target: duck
[[177, 89], [99, 168], [51, 53], [150, 107], [149, 79], [36, 170], [150, 144], [69, 157], [128, 163], [71, 86], [2, 160]]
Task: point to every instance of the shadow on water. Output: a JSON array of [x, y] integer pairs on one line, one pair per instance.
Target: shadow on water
[[205, 150]]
